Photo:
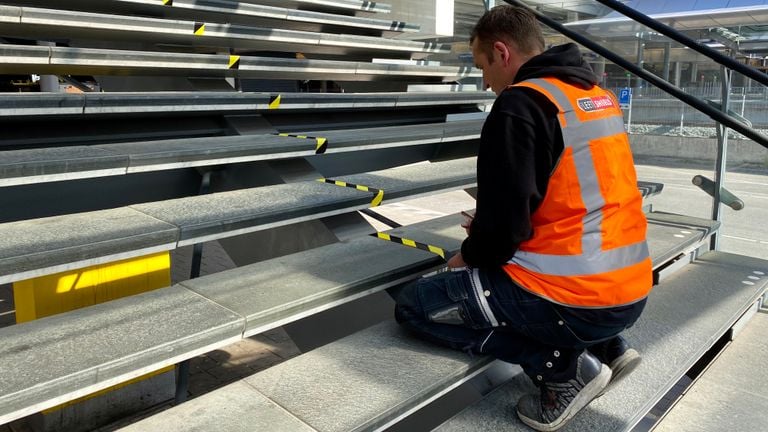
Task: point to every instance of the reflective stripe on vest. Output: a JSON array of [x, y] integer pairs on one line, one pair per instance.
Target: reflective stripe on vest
[[593, 259]]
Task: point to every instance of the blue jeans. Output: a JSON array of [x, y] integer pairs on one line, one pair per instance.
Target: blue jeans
[[485, 312]]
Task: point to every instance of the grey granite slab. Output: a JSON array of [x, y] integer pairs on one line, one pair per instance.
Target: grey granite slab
[[363, 5], [669, 235], [16, 104], [50, 360], [665, 240], [54, 241], [399, 135], [51, 164], [351, 21], [227, 213], [441, 98], [338, 100], [684, 317], [209, 150], [384, 44], [165, 102], [111, 26], [379, 137], [419, 179], [444, 232], [463, 128], [230, 213], [213, 412], [10, 14], [58, 161], [706, 226], [730, 394], [363, 381], [271, 292]]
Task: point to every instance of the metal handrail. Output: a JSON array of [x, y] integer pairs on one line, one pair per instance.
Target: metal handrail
[[697, 103], [673, 34]]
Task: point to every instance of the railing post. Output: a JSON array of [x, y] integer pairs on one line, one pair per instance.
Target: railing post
[[722, 154]]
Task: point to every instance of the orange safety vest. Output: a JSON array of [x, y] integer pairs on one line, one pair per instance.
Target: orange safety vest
[[588, 247]]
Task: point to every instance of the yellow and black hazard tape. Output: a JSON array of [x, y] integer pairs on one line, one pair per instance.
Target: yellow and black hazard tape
[[234, 62], [412, 243], [199, 29], [378, 194], [322, 143], [274, 101], [167, 2]]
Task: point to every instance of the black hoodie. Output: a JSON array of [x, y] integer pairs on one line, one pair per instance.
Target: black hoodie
[[520, 145]]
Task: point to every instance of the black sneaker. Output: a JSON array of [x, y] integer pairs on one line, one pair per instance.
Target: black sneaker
[[560, 401], [617, 354]]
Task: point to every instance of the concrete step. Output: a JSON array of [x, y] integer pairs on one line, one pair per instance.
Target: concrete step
[[361, 382], [17, 105], [77, 162], [685, 315], [24, 59], [112, 342], [341, 5], [36, 247], [79, 25], [245, 301], [59, 358], [375, 377], [730, 394], [236, 12]]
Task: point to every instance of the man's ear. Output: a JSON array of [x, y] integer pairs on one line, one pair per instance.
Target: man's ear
[[503, 50]]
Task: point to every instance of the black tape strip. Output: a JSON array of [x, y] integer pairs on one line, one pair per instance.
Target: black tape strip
[[412, 243]]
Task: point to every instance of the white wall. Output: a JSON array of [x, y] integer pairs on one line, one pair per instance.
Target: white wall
[[434, 16]]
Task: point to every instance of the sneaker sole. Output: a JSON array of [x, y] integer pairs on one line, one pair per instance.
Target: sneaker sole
[[585, 396], [621, 367]]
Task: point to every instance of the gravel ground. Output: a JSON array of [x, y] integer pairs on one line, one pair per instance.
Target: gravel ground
[[688, 131]]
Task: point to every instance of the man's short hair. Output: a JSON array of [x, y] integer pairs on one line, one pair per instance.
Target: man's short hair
[[513, 25]]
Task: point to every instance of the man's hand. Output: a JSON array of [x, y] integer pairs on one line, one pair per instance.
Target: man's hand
[[467, 222], [456, 261]]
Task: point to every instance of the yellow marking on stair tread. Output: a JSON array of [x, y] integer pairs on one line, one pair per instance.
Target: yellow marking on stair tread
[[412, 243], [436, 250], [274, 102], [378, 199], [234, 62]]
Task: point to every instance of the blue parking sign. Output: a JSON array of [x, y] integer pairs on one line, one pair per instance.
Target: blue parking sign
[[625, 97]]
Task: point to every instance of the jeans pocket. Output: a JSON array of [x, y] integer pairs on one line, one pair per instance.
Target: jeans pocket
[[456, 292], [457, 312], [452, 314]]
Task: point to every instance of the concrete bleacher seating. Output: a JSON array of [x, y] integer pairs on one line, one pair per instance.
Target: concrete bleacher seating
[[685, 316], [91, 104], [377, 376], [17, 59], [76, 162], [43, 246], [237, 12], [40, 22], [370, 380], [240, 303]]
